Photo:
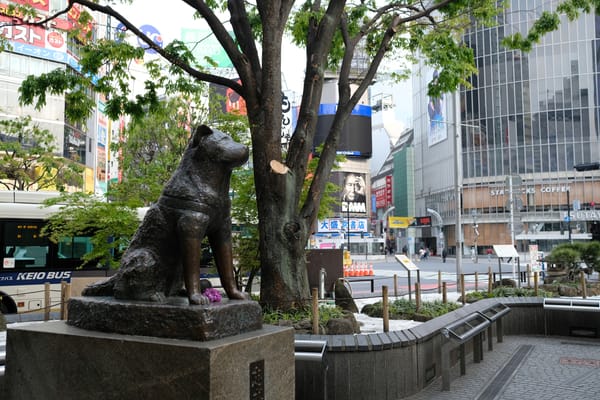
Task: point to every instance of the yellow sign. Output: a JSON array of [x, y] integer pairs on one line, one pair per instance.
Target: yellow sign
[[400, 222]]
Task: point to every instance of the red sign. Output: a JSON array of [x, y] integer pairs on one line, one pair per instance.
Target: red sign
[[380, 197], [388, 189], [55, 39], [27, 34], [37, 4], [383, 194], [422, 221]]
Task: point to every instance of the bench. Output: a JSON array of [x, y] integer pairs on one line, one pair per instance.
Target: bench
[[568, 312], [588, 305], [309, 350]]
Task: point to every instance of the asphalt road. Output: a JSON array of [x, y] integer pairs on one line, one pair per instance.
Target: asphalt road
[[430, 273]]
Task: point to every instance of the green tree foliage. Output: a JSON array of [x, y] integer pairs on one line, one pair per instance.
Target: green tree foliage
[[564, 256], [110, 225], [28, 159], [334, 33], [150, 152], [571, 255], [590, 254]]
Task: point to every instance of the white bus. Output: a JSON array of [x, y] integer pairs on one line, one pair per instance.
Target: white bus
[[30, 260]]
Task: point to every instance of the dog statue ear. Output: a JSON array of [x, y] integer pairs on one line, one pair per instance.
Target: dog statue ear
[[201, 130]]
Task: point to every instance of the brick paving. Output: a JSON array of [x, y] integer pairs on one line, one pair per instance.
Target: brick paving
[[565, 368]]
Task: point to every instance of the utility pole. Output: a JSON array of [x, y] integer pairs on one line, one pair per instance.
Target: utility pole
[[457, 188]]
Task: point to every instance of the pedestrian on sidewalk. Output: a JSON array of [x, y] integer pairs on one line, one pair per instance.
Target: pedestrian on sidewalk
[[444, 255]]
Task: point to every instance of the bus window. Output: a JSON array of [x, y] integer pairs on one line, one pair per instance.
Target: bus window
[[23, 241], [75, 247]]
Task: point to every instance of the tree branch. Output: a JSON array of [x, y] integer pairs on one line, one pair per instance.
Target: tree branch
[[202, 76]]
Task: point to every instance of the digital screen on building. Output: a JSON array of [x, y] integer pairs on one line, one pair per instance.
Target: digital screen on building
[[422, 221], [355, 138]]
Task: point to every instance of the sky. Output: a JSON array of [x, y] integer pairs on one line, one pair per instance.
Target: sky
[[170, 18]]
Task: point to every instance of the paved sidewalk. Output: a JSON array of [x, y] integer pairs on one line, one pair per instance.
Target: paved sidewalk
[[526, 368]]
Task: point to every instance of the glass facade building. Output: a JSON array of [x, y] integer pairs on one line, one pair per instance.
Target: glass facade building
[[527, 119]]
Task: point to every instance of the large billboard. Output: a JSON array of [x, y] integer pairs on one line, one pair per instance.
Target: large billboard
[[437, 123], [353, 193], [355, 138]]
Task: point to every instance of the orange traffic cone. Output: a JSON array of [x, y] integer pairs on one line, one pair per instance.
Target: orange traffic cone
[[371, 272]]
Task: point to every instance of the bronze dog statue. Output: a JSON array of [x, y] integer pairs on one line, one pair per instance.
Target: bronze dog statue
[[165, 252]]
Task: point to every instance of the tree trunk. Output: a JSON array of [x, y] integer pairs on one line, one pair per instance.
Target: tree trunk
[[283, 236]]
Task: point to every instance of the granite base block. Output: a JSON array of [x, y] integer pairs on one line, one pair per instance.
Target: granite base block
[[209, 322], [54, 360]]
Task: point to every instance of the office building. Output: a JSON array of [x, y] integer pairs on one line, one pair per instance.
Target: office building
[[527, 120], [38, 49]]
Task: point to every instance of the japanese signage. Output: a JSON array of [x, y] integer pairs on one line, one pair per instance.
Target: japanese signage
[[383, 195], [399, 222], [37, 4], [39, 41], [331, 225], [35, 41]]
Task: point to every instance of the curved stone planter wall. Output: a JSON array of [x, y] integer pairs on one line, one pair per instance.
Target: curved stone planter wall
[[398, 364]]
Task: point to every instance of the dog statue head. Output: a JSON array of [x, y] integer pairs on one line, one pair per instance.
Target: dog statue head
[[218, 147]]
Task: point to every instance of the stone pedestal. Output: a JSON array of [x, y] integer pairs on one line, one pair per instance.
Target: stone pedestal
[[175, 321], [53, 360]]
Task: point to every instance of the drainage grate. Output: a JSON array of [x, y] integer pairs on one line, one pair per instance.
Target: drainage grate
[[496, 386]]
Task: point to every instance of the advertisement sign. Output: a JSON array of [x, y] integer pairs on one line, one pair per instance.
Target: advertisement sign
[[353, 196], [384, 194], [400, 222], [380, 197], [340, 225], [35, 278], [435, 110], [42, 5], [388, 190], [35, 41]]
